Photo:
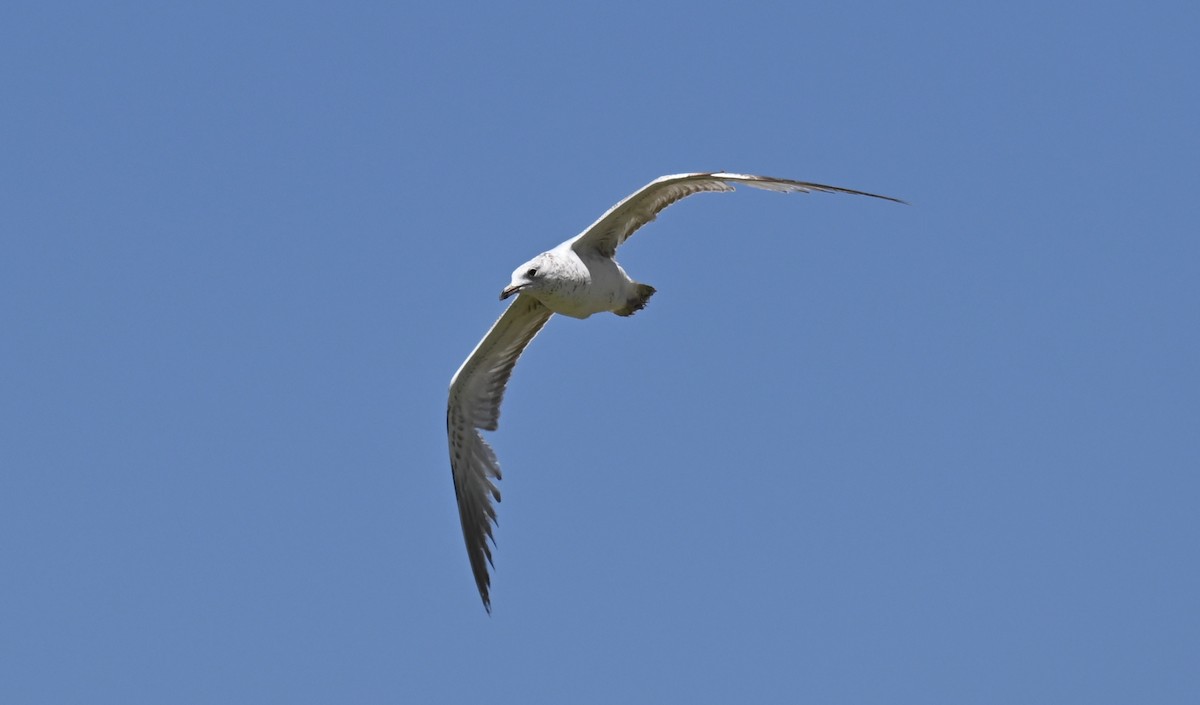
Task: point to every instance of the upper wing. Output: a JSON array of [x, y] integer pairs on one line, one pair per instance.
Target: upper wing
[[475, 394], [641, 207]]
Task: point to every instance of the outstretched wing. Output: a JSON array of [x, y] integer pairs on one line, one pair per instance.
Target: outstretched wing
[[476, 391], [641, 207]]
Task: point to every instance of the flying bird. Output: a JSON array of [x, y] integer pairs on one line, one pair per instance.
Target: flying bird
[[578, 278]]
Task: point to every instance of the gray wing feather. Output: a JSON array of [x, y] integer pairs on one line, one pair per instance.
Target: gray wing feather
[[644, 205], [476, 391]]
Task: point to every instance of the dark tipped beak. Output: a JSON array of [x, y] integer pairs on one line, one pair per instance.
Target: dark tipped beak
[[510, 290]]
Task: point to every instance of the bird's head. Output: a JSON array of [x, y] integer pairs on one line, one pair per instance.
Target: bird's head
[[528, 276]]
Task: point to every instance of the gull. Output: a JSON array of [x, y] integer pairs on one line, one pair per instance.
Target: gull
[[578, 278]]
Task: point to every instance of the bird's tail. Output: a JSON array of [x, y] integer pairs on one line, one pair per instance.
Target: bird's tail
[[637, 302]]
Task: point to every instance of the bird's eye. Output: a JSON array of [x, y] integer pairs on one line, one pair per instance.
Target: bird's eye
[[531, 273]]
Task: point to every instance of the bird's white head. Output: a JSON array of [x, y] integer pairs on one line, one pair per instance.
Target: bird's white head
[[528, 276]]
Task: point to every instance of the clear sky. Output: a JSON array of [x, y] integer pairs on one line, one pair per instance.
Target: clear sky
[[852, 451]]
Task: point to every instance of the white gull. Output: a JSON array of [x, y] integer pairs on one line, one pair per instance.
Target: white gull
[[577, 278]]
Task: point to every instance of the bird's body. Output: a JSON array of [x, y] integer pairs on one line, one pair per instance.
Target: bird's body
[[579, 284], [578, 278]]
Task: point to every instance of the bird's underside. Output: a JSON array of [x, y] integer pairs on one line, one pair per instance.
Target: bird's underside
[[477, 388]]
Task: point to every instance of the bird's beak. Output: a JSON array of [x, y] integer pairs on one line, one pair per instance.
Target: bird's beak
[[510, 290]]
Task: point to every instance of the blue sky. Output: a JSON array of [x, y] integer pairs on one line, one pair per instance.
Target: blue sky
[[852, 452]]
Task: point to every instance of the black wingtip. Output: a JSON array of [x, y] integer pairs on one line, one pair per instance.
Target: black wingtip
[[873, 195]]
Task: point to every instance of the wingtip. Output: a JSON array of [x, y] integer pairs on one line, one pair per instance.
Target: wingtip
[[893, 199], [774, 183]]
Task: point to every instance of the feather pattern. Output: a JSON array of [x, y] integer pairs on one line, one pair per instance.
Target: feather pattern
[[475, 395], [622, 220]]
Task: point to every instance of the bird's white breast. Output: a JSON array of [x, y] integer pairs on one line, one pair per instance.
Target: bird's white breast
[[583, 286]]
